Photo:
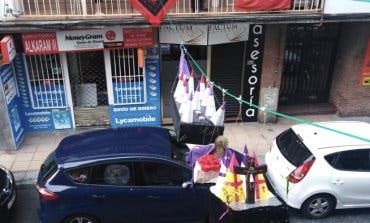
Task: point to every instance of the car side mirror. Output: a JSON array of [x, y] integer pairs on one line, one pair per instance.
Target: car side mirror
[[187, 185]]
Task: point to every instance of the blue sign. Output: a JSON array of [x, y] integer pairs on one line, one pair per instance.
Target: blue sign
[[62, 118], [49, 119], [13, 102], [146, 114], [128, 92], [48, 96]]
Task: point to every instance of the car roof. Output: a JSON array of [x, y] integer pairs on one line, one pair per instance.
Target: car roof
[[114, 142], [319, 138]]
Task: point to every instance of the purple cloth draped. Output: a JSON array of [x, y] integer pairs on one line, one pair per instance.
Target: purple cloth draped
[[193, 155]]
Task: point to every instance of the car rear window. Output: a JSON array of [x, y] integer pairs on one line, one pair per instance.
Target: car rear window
[[48, 168], [179, 150], [293, 148]]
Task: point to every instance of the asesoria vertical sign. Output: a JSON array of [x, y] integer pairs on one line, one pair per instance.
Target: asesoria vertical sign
[[253, 69], [154, 10]]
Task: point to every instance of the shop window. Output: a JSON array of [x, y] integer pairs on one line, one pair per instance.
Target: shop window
[[128, 78], [46, 81]]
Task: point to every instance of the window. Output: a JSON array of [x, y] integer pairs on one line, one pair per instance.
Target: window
[[129, 82], [46, 81], [80, 175], [293, 148], [160, 174], [352, 160], [117, 174], [48, 168]]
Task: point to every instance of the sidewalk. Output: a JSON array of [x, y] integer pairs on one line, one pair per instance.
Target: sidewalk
[[26, 162]]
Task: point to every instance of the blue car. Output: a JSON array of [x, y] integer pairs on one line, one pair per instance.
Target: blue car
[[134, 174]]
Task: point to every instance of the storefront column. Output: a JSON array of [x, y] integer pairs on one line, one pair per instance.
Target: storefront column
[[63, 58], [272, 69]]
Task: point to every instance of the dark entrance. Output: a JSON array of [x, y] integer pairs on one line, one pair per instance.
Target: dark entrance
[[308, 63], [89, 88], [227, 71]]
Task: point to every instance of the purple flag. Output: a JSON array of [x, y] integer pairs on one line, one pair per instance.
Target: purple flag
[[245, 155], [183, 66]]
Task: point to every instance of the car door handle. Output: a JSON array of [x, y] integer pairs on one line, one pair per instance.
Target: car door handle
[[338, 182], [97, 196], [153, 197]]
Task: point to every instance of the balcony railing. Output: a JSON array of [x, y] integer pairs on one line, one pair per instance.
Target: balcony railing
[[85, 9]]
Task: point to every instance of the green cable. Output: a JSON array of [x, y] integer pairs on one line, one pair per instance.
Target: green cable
[[299, 120]]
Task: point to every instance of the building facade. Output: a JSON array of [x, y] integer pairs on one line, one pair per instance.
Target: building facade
[[100, 63]]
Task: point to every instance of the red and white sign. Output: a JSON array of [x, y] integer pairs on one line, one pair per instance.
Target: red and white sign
[[7, 49], [40, 43], [138, 37]]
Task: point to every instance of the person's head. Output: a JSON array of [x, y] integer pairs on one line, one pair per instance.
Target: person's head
[[221, 142]]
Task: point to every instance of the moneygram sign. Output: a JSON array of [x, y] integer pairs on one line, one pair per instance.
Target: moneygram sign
[[88, 40]]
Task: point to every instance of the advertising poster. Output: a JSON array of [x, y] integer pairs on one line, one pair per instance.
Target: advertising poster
[[147, 114], [62, 119], [40, 119], [365, 74], [13, 102]]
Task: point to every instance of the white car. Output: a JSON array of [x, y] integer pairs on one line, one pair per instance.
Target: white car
[[323, 169]]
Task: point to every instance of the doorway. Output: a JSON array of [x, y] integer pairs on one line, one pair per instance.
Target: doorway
[[308, 64], [89, 88], [227, 71]]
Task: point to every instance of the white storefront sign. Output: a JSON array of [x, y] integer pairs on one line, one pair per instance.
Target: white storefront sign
[[92, 39], [347, 6], [227, 33], [187, 34], [204, 34]]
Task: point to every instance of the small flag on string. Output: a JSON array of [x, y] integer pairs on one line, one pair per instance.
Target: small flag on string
[[218, 118]]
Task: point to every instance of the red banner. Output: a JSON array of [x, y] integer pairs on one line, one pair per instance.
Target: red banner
[[262, 4], [154, 10], [40, 43], [138, 37], [365, 74]]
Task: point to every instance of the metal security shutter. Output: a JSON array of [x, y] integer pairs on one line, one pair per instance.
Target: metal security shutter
[[226, 71]]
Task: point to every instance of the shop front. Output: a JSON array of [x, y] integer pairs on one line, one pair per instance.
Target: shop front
[[229, 55], [80, 78]]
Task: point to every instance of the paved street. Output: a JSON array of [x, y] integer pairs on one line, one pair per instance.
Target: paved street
[[25, 211]]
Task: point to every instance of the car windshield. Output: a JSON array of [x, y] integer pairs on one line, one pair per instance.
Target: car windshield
[[179, 150], [293, 148]]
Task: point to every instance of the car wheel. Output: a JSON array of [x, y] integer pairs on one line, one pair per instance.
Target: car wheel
[[318, 206], [81, 219]]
